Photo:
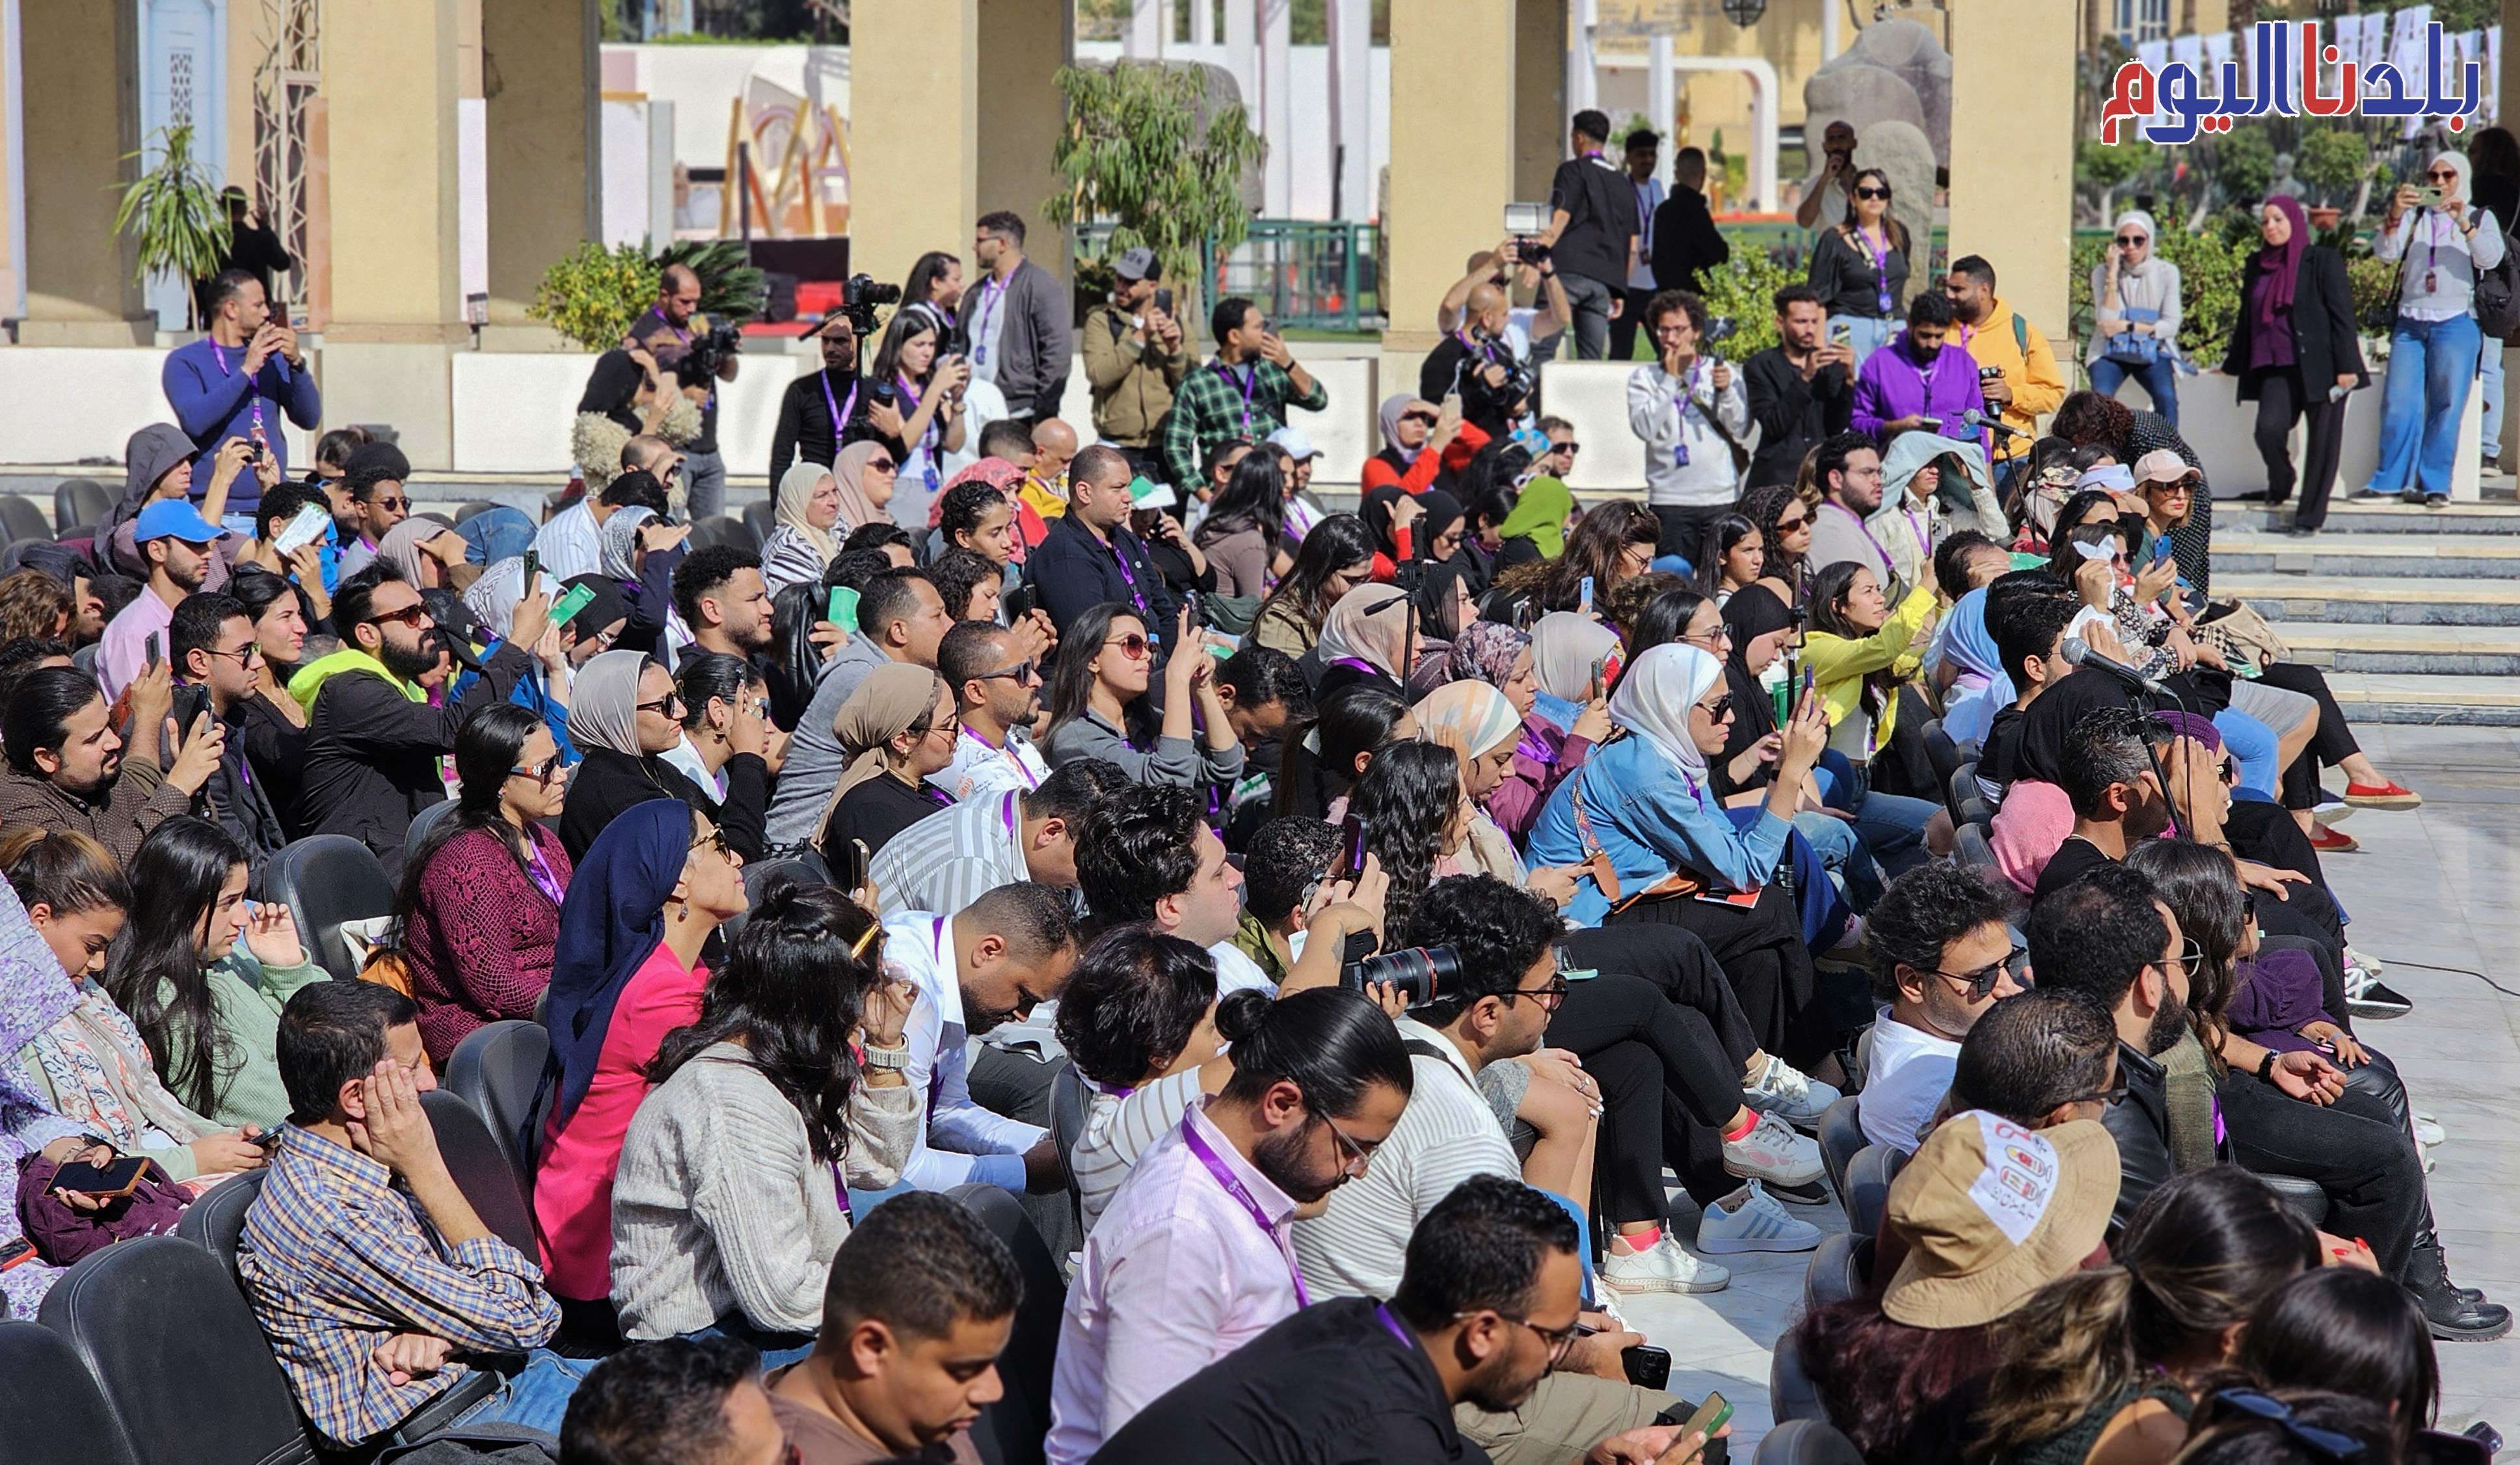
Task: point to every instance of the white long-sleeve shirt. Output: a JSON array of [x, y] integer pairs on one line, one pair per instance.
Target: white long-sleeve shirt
[[2433, 247], [961, 1142], [1668, 415]]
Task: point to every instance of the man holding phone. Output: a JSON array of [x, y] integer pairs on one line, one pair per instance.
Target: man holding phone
[[1800, 388], [246, 378], [1135, 354], [1244, 392]]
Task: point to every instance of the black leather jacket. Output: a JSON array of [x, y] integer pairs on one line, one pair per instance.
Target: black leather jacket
[[2141, 1124]]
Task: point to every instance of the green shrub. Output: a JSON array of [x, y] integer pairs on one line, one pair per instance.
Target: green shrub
[[1744, 292], [594, 294], [2209, 263]]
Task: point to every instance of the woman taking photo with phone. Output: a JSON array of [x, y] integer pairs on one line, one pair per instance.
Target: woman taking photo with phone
[[2295, 352], [2441, 244], [925, 386], [1099, 707], [2135, 316], [1860, 268]]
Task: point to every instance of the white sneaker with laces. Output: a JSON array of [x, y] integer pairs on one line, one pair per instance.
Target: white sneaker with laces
[[1755, 1224], [2429, 1130], [1788, 1093], [1773, 1151], [1665, 1268]]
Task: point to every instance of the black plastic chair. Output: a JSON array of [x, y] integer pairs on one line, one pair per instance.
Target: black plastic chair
[[2303, 1198], [1833, 1276], [12, 556], [1806, 1442], [1868, 1186], [78, 503], [1841, 1136], [21, 519], [758, 517], [1070, 1102], [420, 823], [51, 1411], [325, 879], [1011, 1430], [1960, 787], [1939, 746], [216, 1221], [1791, 1394], [482, 1167], [175, 1351], [496, 1071], [1973, 849]]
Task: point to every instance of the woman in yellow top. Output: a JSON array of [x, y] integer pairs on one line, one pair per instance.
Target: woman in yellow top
[[1859, 651]]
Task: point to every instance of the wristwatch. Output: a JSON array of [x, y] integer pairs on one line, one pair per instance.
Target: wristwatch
[[2266, 1065], [893, 1059]]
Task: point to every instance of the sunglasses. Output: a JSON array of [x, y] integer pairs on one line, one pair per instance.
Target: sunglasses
[[409, 616], [1428, 418], [882, 465], [1717, 710], [2332, 1444], [546, 776], [1019, 674], [669, 700], [1133, 646], [2134, 240], [1868, 191], [715, 840], [2447, 175], [1981, 980], [243, 657], [1570, 449], [390, 503], [1788, 526]]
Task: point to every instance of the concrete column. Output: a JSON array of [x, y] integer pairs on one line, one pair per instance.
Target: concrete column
[[396, 313], [2012, 148], [1540, 104], [1023, 45], [538, 81], [914, 130], [1242, 53], [1351, 57], [1662, 100], [1202, 23], [1583, 83], [1453, 116], [79, 113], [1149, 31], [1276, 110]]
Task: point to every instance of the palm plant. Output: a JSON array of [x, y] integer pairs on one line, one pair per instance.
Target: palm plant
[[173, 212]]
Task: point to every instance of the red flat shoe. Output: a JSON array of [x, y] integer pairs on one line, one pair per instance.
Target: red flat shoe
[[2328, 839], [2382, 796]]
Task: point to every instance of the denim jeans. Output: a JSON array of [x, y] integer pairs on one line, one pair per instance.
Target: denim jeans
[[2489, 381], [1590, 301], [2432, 363], [777, 1350], [537, 1396], [2160, 381], [1866, 334]]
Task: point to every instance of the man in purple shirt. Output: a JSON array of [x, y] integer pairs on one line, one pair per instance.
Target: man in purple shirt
[[238, 381], [1920, 381]]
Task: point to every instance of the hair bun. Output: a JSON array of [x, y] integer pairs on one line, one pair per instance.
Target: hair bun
[[1242, 1016]]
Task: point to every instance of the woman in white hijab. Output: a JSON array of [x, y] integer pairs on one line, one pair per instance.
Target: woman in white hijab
[[2442, 247], [2135, 315], [800, 547]]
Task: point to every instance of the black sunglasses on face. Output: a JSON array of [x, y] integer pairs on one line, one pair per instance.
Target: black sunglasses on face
[[1868, 191], [1428, 418], [390, 503], [669, 700], [544, 775], [1019, 672], [2134, 240], [1981, 980], [1717, 710]]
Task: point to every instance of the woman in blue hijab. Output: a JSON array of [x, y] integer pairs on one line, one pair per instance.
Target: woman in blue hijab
[[626, 970], [1977, 686]]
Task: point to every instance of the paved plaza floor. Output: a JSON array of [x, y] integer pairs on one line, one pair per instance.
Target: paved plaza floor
[[2438, 886]]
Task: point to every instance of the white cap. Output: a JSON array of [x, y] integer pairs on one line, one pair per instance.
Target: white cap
[[1298, 446]]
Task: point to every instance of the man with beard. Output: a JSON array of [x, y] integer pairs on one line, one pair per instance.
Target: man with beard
[[724, 601], [2108, 775], [998, 686], [65, 762], [1487, 1308], [175, 539], [215, 651], [373, 741], [818, 405], [1939, 953], [1192, 1259], [992, 962], [1848, 470]]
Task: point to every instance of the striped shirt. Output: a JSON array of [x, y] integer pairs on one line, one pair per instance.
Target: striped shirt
[[946, 862], [1446, 1136], [335, 1258], [1120, 1128]]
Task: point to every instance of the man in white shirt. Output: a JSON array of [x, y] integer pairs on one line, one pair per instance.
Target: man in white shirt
[[999, 687], [571, 543], [1002, 956], [947, 861], [1941, 958]]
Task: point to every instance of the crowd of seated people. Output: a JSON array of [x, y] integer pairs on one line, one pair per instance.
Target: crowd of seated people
[[1314, 948]]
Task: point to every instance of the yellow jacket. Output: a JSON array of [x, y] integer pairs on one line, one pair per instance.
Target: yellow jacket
[[2029, 368], [1839, 664]]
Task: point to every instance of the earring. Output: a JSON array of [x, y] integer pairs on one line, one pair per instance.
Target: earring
[[682, 911]]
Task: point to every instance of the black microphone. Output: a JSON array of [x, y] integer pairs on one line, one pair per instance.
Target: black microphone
[[1973, 418], [2078, 652]]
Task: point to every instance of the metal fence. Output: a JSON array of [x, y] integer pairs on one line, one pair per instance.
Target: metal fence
[[1306, 275]]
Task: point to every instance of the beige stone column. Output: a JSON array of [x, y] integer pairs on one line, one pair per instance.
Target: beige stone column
[[1540, 110], [2012, 149], [914, 132], [1452, 153], [80, 114], [392, 71], [539, 81], [1023, 45]]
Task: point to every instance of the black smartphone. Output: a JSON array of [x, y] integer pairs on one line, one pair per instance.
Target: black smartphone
[[1351, 849], [268, 1140], [156, 652], [114, 1179], [1164, 299], [533, 568], [1648, 1366]]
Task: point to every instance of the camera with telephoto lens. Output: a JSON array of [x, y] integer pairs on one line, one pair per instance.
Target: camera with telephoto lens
[[709, 351], [860, 297], [1419, 971]]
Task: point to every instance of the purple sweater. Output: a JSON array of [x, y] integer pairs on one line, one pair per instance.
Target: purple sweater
[[2278, 991], [1893, 386]]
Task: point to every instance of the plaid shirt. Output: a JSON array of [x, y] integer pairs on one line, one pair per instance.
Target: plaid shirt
[[335, 1259], [1209, 407]]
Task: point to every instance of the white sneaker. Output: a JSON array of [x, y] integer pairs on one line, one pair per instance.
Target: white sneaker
[[1773, 1151], [2429, 1130], [1789, 1094], [2330, 810], [1755, 1224], [1664, 1268]]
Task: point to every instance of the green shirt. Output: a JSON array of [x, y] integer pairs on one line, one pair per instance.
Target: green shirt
[[246, 997]]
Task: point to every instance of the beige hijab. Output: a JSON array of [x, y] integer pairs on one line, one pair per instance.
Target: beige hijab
[[857, 511], [795, 497], [1369, 624], [892, 698]]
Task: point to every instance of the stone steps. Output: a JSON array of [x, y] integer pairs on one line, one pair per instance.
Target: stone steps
[[2333, 559], [2378, 601], [2379, 516], [2430, 700], [2424, 649]]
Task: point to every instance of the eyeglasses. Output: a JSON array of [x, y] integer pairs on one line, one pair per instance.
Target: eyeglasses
[[409, 616], [1354, 1155], [1559, 1340], [1981, 981], [715, 840], [1868, 191], [1550, 998], [546, 776], [2333, 1444], [2190, 958], [2248, 907], [951, 727], [1133, 646], [244, 656], [1717, 710], [2114, 1093], [1019, 674], [669, 700], [1714, 638], [2134, 240]]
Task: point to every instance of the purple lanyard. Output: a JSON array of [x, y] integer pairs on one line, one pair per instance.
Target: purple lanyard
[[1361, 665], [254, 390], [1924, 541], [1644, 214], [1235, 1187], [1135, 598], [928, 439], [989, 294], [1880, 256], [1392, 1325], [1249, 383], [1009, 754], [1009, 814], [544, 879], [1862, 529], [839, 422]]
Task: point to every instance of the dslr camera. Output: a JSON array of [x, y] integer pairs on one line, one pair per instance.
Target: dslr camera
[[860, 297], [1420, 973], [709, 351], [1524, 223]]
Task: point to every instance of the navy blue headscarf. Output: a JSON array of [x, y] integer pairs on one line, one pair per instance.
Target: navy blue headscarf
[[611, 921]]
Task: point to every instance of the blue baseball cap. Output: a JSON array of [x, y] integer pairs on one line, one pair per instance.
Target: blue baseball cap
[[174, 519]]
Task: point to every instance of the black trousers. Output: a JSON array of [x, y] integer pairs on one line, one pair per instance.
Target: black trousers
[[1765, 962], [1684, 528], [1678, 964], [1631, 314], [2284, 398], [2357, 1150]]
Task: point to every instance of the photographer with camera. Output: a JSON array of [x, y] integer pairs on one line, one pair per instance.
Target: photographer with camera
[[1135, 353], [1479, 363], [816, 409], [1532, 330], [1689, 411], [698, 354]]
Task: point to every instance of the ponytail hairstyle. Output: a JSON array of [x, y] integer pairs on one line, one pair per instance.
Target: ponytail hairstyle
[[790, 992], [2199, 1256], [1320, 766], [1408, 798], [159, 969], [1135, 999], [1329, 1041]]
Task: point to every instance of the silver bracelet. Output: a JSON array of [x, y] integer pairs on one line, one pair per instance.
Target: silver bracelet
[[892, 1060]]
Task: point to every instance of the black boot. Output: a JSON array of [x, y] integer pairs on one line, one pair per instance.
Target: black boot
[[2456, 1315]]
